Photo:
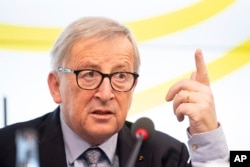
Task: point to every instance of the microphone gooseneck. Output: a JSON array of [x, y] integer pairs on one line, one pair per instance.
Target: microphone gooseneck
[[142, 129]]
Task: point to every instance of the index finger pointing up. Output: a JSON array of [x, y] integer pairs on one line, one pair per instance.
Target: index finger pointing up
[[201, 70]]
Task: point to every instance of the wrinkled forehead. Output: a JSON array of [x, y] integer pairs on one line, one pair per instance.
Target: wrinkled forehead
[[95, 46], [98, 29]]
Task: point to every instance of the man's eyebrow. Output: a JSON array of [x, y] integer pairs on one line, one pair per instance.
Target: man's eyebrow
[[121, 67], [88, 64]]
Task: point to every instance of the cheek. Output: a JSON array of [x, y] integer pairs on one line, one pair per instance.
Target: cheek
[[80, 104], [125, 107], [76, 109], [72, 95], [125, 103], [74, 101]]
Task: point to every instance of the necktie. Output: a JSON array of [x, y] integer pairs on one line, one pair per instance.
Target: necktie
[[93, 156]]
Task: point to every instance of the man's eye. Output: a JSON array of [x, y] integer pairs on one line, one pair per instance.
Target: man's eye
[[90, 74], [87, 74], [121, 75]]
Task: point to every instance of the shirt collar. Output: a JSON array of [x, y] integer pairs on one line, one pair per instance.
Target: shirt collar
[[75, 145]]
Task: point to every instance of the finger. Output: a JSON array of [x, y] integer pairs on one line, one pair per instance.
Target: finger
[[183, 110], [175, 89], [188, 97], [190, 85], [201, 74], [180, 117], [182, 102], [181, 97]]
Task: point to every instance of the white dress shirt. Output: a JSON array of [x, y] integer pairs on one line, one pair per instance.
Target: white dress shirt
[[209, 149], [75, 146]]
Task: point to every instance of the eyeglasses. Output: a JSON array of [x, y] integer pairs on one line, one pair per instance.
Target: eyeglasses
[[91, 79]]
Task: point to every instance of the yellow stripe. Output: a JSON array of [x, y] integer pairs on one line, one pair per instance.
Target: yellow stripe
[[175, 21], [41, 39], [27, 38], [221, 67]]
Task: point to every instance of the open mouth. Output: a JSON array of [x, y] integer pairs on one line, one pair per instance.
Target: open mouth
[[102, 112], [102, 115]]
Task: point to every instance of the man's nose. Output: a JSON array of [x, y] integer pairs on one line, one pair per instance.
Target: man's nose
[[105, 90]]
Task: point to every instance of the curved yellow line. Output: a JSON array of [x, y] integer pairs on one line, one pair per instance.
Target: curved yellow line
[[37, 38], [27, 38], [217, 69], [178, 20]]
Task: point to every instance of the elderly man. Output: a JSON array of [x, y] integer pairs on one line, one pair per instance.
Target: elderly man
[[95, 64]]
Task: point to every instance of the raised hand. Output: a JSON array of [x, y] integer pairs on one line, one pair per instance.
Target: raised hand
[[193, 98]]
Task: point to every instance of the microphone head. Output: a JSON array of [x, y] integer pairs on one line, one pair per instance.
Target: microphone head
[[143, 126]]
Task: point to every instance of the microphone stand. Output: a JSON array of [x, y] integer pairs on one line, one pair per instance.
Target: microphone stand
[[135, 152], [5, 110]]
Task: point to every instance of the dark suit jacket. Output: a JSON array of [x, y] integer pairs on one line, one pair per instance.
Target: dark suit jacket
[[160, 151]]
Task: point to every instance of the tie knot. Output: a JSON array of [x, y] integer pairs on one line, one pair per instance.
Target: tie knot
[[93, 156]]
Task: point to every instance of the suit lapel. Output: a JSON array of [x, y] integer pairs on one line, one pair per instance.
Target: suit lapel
[[125, 144], [51, 146]]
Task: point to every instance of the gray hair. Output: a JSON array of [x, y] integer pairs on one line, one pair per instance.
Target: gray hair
[[98, 27]]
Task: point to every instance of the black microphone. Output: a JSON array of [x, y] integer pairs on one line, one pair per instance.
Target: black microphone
[[142, 129]]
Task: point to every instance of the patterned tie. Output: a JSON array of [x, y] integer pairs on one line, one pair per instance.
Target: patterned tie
[[93, 156]]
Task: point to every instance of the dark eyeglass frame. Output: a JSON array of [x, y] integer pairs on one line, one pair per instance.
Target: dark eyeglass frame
[[103, 75]]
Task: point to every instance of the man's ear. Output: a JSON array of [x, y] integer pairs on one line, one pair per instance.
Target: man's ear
[[54, 83]]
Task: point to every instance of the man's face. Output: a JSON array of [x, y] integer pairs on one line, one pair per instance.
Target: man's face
[[96, 114]]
